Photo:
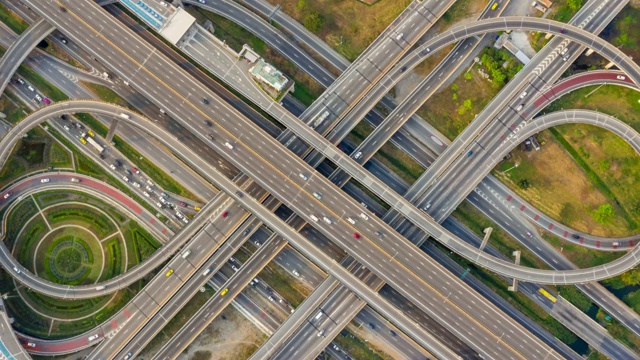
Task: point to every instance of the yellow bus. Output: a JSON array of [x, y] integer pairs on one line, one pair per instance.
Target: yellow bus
[[546, 294]]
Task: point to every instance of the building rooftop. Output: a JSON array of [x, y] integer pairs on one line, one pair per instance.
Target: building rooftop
[[269, 74]]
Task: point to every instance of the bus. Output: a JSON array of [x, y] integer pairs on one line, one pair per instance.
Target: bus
[[546, 294]]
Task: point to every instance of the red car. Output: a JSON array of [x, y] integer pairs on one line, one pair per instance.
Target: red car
[[224, 214], [356, 235], [135, 170]]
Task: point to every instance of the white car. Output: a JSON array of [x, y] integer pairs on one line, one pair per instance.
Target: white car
[[6, 196], [15, 268], [145, 193], [303, 176], [295, 272], [44, 180], [31, 344], [524, 93], [620, 77], [125, 178], [93, 337], [113, 167], [201, 1], [38, 97], [136, 184]]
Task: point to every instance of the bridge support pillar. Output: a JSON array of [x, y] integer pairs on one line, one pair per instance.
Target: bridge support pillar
[[112, 130], [589, 52], [514, 287], [487, 233]]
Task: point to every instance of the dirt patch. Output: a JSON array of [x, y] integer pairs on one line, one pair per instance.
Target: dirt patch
[[558, 187], [229, 337]]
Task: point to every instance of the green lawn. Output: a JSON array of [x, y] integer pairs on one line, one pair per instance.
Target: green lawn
[[12, 20], [284, 284], [106, 94]]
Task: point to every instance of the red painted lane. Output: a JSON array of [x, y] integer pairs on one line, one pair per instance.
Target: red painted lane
[[598, 244], [263, 315], [126, 313], [581, 240], [565, 234], [522, 208], [114, 324], [152, 220], [535, 218], [164, 231], [509, 198], [631, 243], [550, 226], [124, 200]]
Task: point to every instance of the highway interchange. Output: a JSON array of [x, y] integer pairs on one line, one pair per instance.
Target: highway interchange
[[302, 209]]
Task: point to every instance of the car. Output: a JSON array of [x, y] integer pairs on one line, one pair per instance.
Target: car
[[91, 133], [83, 141], [565, 58], [335, 347], [393, 333], [46, 100], [201, 1], [620, 77], [162, 200], [128, 172], [469, 153], [113, 167], [364, 216], [358, 155], [196, 208], [403, 69], [159, 205], [128, 356], [136, 184], [524, 93], [164, 3], [356, 235], [228, 145], [145, 193], [211, 137], [185, 220], [31, 88], [494, 6], [38, 97], [224, 214], [179, 215], [169, 272], [303, 176], [234, 268], [20, 81], [426, 51], [164, 195], [208, 123], [428, 206], [117, 163], [519, 107], [224, 291], [257, 243], [6, 196], [271, 298], [78, 125], [239, 193], [529, 234], [399, 36], [182, 203], [31, 344], [295, 272], [150, 183], [562, 31], [135, 170], [205, 101], [351, 221], [320, 333], [564, 51], [63, 40], [576, 236], [66, 128], [371, 326], [378, 233], [15, 268], [317, 195], [126, 179], [45, 180], [93, 337]]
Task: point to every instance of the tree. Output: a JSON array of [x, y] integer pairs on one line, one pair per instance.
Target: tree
[[498, 77], [313, 21], [631, 277], [574, 5], [454, 87], [301, 5], [524, 184], [468, 75], [468, 104], [603, 214], [455, 96], [622, 40]]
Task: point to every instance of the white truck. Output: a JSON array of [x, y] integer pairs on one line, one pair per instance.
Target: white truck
[[95, 144]]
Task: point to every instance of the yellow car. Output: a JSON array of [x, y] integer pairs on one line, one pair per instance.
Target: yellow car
[[196, 208], [91, 133], [224, 292], [169, 272], [82, 140], [494, 6]]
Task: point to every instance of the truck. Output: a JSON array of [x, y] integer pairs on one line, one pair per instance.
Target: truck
[[320, 119], [539, 6], [95, 144]]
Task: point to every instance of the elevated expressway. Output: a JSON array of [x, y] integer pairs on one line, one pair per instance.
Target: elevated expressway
[[264, 214], [169, 102], [245, 135], [18, 51]]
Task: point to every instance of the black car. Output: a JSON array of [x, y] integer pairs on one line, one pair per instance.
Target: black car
[[205, 101], [211, 137], [239, 193], [404, 68], [371, 326], [576, 236], [208, 123]]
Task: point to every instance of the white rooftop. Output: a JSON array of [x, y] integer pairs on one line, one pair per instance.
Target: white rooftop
[[177, 26]]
